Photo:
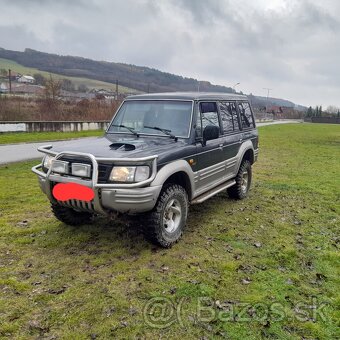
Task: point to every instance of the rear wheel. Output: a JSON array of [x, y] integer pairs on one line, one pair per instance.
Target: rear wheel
[[243, 181], [70, 216], [164, 225]]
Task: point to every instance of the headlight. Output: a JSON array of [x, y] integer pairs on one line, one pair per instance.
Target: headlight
[[47, 161], [130, 173]]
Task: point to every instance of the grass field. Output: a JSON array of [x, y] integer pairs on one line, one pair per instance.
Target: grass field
[[23, 137], [265, 267], [91, 83]]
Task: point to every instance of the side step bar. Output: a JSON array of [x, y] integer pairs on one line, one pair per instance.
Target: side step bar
[[213, 192]]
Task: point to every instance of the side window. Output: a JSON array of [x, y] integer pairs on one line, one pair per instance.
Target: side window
[[229, 116], [209, 114], [247, 119]]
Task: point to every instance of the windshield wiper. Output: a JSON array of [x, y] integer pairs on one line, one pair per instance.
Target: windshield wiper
[[165, 131], [132, 130]]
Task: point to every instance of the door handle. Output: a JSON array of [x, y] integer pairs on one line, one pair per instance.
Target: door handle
[[241, 139], [221, 146]]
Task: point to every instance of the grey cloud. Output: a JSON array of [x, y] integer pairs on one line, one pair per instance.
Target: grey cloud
[[288, 47], [18, 35], [203, 12], [44, 3]]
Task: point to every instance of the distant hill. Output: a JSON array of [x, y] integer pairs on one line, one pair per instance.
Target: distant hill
[[131, 76], [77, 81], [259, 101], [140, 78]]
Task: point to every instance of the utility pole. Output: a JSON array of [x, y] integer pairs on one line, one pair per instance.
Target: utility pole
[[268, 90], [148, 87], [116, 89], [198, 86], [10, 80]]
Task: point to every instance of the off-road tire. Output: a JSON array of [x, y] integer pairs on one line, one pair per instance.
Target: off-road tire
[[70, 216], [237, 191], [154, 228]]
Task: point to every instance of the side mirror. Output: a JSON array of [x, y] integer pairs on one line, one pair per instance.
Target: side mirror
[[210, 132]]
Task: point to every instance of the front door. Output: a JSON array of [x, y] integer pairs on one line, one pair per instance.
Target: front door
[[210, 165]]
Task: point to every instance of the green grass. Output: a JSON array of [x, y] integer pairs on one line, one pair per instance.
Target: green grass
[[91, 83], [25, 137], [96, 280]]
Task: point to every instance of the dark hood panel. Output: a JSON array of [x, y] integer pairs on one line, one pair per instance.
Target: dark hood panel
[[122, 147]]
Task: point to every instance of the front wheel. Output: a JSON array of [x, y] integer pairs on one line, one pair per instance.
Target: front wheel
[[164, 225], [243, 181]]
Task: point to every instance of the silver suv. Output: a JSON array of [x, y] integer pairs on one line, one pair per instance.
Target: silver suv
[[160, 153]]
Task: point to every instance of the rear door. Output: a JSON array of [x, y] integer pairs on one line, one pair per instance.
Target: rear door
[[232, 135], [247, 123]]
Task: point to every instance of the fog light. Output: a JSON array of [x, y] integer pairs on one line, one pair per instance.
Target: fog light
[[60, 167], [81, 170]]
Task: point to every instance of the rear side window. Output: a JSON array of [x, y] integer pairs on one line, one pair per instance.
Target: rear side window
[[246, 116], [229, 116]]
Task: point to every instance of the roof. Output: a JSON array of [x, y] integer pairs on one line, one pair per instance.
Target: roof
[[35, 89], [28, 77], [189, 96]]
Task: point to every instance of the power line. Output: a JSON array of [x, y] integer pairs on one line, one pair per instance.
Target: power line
[[268, 90]]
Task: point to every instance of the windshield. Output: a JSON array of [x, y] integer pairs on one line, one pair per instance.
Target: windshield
[[153, 116]]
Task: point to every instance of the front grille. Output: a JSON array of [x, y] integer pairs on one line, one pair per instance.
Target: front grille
[[78, 205], [104, 169]]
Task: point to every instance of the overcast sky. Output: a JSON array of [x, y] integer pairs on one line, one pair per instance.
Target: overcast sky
[[291, 46]]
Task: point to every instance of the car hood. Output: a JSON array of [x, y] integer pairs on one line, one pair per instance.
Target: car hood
[[113, 146]]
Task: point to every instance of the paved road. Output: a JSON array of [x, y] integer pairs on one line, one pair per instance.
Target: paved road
[[25, 151], [280, 122], [21, 152]]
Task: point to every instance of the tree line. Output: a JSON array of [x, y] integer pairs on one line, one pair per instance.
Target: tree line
[[318, 112]]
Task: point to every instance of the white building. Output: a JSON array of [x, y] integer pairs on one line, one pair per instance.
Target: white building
[[3, 88], [26, 80]]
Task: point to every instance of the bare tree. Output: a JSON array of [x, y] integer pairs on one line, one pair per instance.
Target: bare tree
[[52, 89], [82, 88], [3, 72], [39, 79], [333, 109], [67, 85], [50, 103]]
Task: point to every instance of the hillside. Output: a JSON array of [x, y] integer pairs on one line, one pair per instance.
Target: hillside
[[104, 74], [131, 76], [90, 83]]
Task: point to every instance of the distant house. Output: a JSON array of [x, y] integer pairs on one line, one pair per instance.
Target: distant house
[[274, 109], [3, 88], [103, 94], [26, 80]]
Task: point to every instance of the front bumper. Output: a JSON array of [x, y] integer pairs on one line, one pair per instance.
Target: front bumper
[[123, 198]]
